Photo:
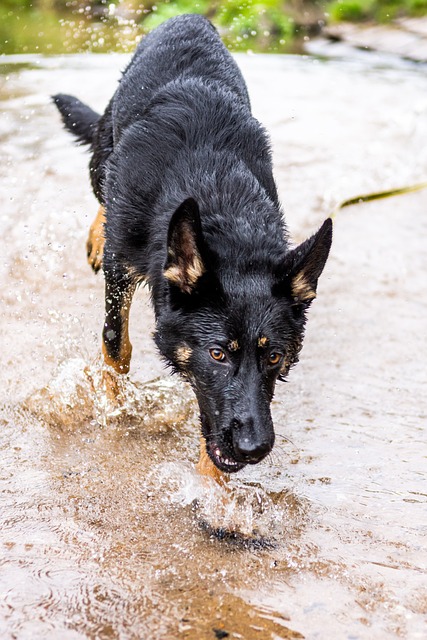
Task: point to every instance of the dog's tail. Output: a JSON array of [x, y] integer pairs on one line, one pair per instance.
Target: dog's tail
[[77, 117]]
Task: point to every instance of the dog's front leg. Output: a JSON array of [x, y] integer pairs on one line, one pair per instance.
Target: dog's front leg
[[116, 346]]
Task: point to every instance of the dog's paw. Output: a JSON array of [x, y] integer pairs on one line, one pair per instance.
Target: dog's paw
[[109, 384], [243, 539]]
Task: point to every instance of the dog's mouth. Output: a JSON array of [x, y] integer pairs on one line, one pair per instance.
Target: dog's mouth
[[221, 460]]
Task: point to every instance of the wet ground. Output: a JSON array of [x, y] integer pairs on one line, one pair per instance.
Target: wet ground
[[104, 522], [404, 37]]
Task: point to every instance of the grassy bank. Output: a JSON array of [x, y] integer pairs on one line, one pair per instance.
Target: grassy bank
[[57, 26], [277, 26], [381, 11]]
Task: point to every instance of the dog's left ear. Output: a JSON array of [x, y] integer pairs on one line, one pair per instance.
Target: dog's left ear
[[184, 263], [305, 263]]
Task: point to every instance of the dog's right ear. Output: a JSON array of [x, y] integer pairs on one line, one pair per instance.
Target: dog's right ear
[[184, 263]]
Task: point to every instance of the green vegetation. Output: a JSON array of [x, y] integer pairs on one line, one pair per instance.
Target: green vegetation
[[61, 26], [244, 24], [67, 26], [36, 31], [374, 10]]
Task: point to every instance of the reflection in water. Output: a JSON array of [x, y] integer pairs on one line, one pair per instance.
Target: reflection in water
[[106, 529]]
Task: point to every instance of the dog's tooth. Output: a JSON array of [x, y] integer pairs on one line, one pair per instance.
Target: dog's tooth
[[217, 452]]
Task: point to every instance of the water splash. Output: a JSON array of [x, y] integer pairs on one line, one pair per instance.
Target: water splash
[[78, 397], [237, 510]]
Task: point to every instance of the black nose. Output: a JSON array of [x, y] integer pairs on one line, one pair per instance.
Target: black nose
[[251, 443]]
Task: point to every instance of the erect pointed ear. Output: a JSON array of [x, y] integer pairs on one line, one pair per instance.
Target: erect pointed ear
[[184, 263], [305, 263]]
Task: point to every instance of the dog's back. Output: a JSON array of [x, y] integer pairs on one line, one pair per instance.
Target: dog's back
[[180, 125], [184, 49]]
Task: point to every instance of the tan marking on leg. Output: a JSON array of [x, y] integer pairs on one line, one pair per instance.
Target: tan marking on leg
[[96, 240], [110, 381], [122, 363], [206, 467]]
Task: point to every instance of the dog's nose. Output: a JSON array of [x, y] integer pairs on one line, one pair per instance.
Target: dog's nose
[[251, 452], [251, 444]]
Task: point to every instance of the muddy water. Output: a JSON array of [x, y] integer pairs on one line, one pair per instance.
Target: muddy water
[[105, 526]]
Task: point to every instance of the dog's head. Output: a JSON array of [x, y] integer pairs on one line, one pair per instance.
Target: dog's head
[[233, 326]]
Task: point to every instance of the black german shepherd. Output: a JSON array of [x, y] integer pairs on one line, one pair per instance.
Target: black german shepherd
[[183, 174]]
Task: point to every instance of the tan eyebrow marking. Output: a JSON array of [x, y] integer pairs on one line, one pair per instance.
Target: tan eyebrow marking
[[233, 345], [262, 342], [183, 355]]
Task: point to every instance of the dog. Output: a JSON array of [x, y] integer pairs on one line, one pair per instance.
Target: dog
[[189, 205]]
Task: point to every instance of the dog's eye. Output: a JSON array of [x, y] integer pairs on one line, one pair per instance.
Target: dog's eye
[[274, 358], [217, 354]]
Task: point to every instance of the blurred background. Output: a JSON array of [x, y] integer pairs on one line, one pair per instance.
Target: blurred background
[[276, 26]]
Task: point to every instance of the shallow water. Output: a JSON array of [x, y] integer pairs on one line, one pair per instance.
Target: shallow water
[[106, 529]]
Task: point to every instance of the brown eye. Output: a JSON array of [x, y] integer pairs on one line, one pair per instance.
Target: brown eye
[[217, 354], [274, 358]]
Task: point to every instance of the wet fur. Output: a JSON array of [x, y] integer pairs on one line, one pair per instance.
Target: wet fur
[[184, 172]]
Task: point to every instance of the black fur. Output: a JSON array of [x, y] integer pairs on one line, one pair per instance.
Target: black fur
[[185, 172], [77, 117]]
